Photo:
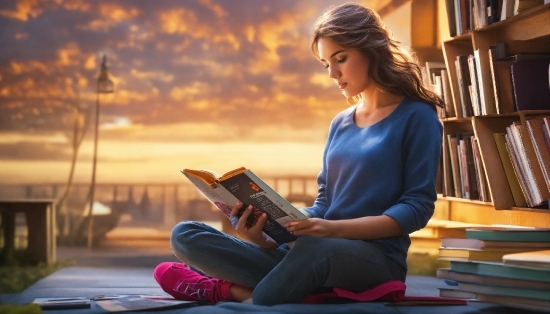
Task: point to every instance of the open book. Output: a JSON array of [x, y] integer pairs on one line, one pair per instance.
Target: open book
[[242, 185]]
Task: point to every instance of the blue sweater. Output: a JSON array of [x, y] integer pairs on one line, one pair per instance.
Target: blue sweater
[[388, 168]]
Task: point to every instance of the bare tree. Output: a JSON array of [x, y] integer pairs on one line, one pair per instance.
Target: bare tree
[[81, 119]]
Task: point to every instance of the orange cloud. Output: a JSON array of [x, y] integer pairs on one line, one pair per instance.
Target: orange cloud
[[24, 9], [216, 8], [182, 21], [163, 77]]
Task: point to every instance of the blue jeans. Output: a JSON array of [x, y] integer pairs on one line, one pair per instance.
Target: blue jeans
[[283, 275]]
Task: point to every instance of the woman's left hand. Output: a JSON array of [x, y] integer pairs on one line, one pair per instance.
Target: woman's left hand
[[251, 233], [316, 227]]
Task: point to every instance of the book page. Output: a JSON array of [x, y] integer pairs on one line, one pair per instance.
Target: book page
[[218, 195]]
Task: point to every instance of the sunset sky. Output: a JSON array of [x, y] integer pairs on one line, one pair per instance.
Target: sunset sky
[[198, 84]]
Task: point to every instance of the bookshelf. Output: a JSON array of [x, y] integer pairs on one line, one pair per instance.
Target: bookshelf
[[526, 32]]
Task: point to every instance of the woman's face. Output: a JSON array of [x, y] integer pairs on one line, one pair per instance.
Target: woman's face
[[347, 67]]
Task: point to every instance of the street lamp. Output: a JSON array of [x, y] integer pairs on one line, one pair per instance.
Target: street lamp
[[104, 86]]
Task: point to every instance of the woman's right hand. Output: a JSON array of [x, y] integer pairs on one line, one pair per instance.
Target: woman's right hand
[[251, 233]]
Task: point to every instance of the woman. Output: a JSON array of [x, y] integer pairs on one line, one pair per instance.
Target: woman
[[376, 185]]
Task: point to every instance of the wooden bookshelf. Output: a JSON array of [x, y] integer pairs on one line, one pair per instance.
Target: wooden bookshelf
[[528, 31]]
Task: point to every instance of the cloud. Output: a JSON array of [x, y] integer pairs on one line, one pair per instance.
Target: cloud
[[171, 62]]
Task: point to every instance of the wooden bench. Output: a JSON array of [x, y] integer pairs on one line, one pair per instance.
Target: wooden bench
[[40, 218]]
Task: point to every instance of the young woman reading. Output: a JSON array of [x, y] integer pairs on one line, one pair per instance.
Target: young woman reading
[[376, 185]]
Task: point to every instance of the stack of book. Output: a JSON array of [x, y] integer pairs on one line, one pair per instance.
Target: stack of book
[[520, 279]]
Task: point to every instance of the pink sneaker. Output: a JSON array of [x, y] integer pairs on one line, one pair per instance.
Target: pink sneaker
[[182, 283]]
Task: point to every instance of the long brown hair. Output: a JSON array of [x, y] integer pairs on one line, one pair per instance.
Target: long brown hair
[[391, 68]]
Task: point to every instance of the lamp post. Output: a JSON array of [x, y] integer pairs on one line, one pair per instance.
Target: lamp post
[[104, 86]]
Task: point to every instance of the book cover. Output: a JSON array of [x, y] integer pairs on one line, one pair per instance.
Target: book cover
[[530, 83], [470, 164], [519, 169], [447, 273], [480, 172], [462, 161], [536, 259], [63, 303], [450, 9], [511, 176], [456, 293], [474, 88], [465, 243], [498, 269], [505, 291], [493, 11], [125, 303], [488, 254], [527, 158], [535, 127], [509, 235], [463, 77], [242, 185], [447, 95], [455, 166], [485, 81]]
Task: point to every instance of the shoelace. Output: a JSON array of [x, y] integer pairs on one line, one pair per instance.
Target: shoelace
[[195, 292]]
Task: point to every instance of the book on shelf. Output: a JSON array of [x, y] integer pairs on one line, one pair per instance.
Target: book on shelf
[[473, 88], [537, 191], [519, 169], [469, 243], [521, 234], [509, 171], [455, 166], [448, 188], [456, 293], [507, 9], [486, 254], [535, 259], [447, 273], [447, 95], [470, 165], [499, 270], [485, 84], [493, 13], [484, 194], [530, 81], [463, 79], [522, 5], [535, 127], [517, 302], [522, 292], [242, 185], [501, 75], [529, 176], [451, 17], [546, 131], [463, 163]]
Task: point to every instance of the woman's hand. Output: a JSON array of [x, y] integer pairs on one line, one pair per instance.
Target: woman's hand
[[251, 232], [316, 227]]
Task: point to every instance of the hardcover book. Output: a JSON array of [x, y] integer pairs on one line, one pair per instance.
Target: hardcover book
[[63, 303], [447, 273], [505, 291], [482, 244], [500, 270], [537, 259], [242, 185], [489, 254], [512, 234], [530, 82]]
